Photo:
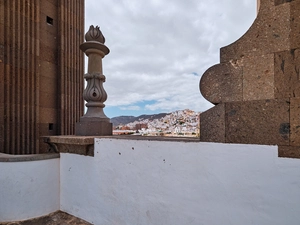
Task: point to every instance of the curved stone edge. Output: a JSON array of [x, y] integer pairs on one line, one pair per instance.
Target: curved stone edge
[[81, 145], [268, 33], [222, 82], [23, 158], [95, 45]]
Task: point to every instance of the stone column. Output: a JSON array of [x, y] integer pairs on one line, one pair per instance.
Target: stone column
[[94, 122]]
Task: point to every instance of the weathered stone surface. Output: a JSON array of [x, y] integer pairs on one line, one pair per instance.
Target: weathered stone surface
[[48, 68], [24, 158], [41, 71], [295, 25], [289, 151], [268, 56], [255, 122], [47, 114], [212, 124], [93, 128], [81, 145], [269, 33], [258, 77], [56, 218], [287, 79], [278, 2], [295, 122], [224, 85]]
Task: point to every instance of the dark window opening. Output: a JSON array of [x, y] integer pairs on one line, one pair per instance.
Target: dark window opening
[[50, 126], [49, 20]]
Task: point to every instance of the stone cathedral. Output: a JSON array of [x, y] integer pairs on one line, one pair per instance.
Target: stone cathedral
[[255, 88], [41, 72]]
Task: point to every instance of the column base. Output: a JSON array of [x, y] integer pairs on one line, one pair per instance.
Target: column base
[[93, 128]]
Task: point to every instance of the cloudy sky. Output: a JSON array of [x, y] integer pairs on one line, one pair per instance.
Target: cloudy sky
[[160, 48]]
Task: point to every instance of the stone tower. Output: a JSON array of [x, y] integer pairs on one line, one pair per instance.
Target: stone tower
[[256, 86], [41, 72]]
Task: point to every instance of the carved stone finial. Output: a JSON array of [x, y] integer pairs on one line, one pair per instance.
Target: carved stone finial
[[94, 122], [95, 34]]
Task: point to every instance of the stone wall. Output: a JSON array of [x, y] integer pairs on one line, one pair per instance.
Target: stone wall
[[177, 182], [28, 188], [171, 181], [41, 72], [256, 85]]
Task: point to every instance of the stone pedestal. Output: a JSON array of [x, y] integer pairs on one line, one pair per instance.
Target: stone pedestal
[[93, 128]]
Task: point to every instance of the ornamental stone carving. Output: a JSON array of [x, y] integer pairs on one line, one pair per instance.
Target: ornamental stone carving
[[94, 34], [94, 122]]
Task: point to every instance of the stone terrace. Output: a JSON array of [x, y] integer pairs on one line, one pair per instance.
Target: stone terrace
[[56, 218]]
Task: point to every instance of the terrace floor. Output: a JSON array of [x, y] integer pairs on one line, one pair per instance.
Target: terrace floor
[[56, 218]]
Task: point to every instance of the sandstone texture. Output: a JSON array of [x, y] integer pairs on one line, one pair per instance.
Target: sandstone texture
[[41, 72], [256, 86]]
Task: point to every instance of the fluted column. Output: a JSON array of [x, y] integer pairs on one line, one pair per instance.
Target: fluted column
[[94, 122]]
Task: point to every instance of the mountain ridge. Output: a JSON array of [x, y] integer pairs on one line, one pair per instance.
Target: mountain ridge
[[123, 120]]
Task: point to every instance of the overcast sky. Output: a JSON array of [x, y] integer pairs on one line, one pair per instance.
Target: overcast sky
[[159, 49]]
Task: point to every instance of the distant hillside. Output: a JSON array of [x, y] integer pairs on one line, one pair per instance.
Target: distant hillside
[[179, 123], [122, 120]]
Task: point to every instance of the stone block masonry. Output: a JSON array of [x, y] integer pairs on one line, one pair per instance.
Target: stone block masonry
[[256, 85], [41, 69]]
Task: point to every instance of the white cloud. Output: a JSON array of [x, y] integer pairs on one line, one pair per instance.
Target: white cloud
[[131, 107], [156, 46]]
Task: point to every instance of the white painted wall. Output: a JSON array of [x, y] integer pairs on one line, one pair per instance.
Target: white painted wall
[[169, 183], [28, 189]]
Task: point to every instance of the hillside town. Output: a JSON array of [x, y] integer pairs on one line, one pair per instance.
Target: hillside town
[[178, 123]]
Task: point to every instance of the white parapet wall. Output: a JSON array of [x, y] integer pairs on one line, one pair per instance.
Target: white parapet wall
[[178, 183], [29, 189]]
